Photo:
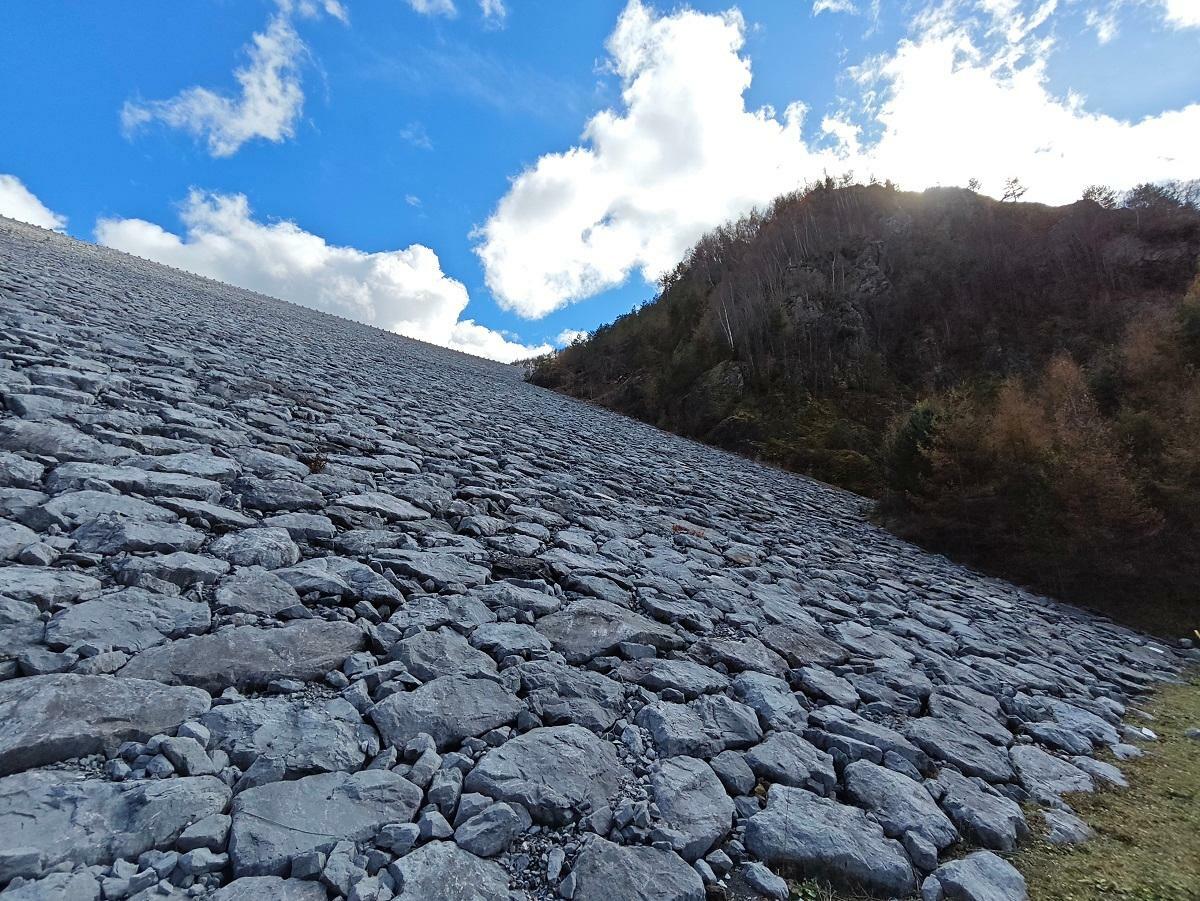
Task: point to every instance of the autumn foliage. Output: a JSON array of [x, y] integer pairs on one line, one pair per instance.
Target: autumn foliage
[[1016, 383]]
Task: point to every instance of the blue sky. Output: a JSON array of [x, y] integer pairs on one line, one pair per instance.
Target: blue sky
[[406, 163]]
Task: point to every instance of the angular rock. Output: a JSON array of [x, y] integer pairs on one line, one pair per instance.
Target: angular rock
[[493, 830], [899, 804], [441, 871], [428, 655], [443, 570], [46, 587], [695, 810], [972, 754], [703, 728], [117, 534], [255, 590], [689, 678], [269, 888], [304, 739], [557, 773], [825, 839], [981, 876], [981, 814], [247, 657], [61, 716], [587, 628], [59, 817], [272, 824], [788, 759], [560, 694], [449, 708], [605, 871], [128, 620], [270, 548]]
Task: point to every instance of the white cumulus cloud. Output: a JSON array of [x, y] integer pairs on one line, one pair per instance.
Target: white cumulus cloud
[[964, 97], [18, 202], [1183, 13], [404, 291], [270, 96], [681, 155]]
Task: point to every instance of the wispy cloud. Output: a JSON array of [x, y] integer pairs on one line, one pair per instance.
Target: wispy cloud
[[434, 7], [269, 99], [511, 88], [414, 133]]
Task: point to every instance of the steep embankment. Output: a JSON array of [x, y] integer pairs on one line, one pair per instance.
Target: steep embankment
[[983, 366], [293, 607]]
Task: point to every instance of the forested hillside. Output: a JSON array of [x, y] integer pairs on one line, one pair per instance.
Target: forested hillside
[[1017, 383]]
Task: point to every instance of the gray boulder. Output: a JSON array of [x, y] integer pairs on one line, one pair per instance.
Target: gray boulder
[[586, 628], [703, 728], [983, 815], [428, 655], [688, 677], [491, 831], [270, 548], [1047, 777], [557, 773], [255, 590], [787, 759], [73, 508], [247, 657], [771, 698], [78, 886], [971, 753], [270, 888], [46, 587], [898, 803], [443, 570], [47, 818], [117, 534], [272, 824], [180, 568], [605, 871], [442, 871], [695, 810], [981, 876], [449, 708], [303, 738], [60, 716], [825, 839], [561, 694], [129, 620]]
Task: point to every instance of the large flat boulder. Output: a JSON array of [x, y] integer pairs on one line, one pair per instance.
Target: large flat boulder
[[60, 716], [442, 871], [46, 587], [605, 871], [247, 657], [693, 805], [566, 694], [272, 824], [57, 817], [898, 803], [557, 773], [130, 620], [823, 838], [585, 628], [449, 708], [304, 738]]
